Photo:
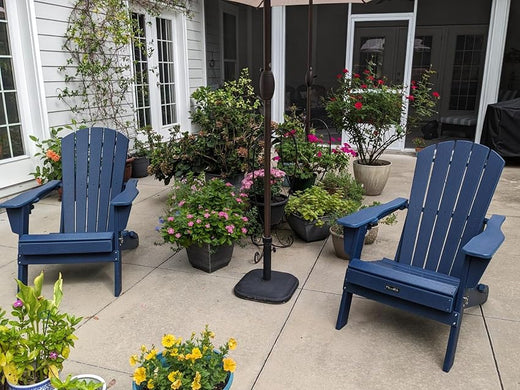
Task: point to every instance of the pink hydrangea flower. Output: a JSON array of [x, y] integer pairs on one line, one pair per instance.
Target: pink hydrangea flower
[[207, 215], [178, 235], [190, 224], [181, 203], [198, 220], [244, 230], [207, 226], [223, 214], [230, 228], [170, 219], [171, 231], [245, 219], [189, 216]]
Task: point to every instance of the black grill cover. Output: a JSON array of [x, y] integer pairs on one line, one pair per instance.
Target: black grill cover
[[501, 130]]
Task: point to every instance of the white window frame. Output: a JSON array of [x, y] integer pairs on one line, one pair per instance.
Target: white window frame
[[182, 95], [231, 10], [28, 74]]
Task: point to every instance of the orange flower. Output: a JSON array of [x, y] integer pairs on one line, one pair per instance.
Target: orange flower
[[53, 155], [39, 181]]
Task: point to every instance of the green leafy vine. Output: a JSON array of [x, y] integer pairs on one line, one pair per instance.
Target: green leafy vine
[[98, 73]]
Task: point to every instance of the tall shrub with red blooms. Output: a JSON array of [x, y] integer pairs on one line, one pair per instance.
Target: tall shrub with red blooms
[[371, 111]]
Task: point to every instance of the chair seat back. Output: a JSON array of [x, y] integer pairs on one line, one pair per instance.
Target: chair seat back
[[452, 188], [93, 164]]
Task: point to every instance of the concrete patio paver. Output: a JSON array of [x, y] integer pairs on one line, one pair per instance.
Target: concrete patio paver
[[288, 346]]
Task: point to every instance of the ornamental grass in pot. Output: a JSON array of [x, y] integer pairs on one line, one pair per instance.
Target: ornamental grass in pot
[[193, 364], [209, 215], [36, 342]]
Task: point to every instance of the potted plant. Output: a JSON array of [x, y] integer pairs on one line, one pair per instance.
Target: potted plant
[[419, 143], [370, 111], [49, 153], [144, 143], [177, 156], [79, 382], [310, 212], [253, 186], [192, 364], [206, 218], [34, 345], [229, 122], [336, 231], [304, 157]]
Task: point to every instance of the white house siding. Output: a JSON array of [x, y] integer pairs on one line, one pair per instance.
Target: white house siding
[[195, 41]]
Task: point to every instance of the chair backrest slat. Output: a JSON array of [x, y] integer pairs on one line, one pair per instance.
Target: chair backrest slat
[[93, 170], [453, 183]]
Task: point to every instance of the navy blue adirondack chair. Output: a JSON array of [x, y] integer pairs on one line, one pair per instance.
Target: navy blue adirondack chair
[[446, 242], [96, 205]]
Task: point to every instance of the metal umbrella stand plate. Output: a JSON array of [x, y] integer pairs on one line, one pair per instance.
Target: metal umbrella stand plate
[[264, 285]]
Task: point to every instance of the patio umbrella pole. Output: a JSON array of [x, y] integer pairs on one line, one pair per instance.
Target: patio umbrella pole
[[309, 77], [265, 285]]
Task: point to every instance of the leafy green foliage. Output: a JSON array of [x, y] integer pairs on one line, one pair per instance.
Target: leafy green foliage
[[34, 345], [71, 383], [315, 203], [230, 124], [343, 183], [49, 152], [304, 156]]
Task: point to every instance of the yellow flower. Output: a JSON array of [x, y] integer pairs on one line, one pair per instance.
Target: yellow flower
[[150, 385], [174, 375], [143, 348], [139, 375], [168, 340], [229, 364], [195, 354], [174, 351], [195, 385], [133, 360], [177, 384], [151, 354], [232, 343]]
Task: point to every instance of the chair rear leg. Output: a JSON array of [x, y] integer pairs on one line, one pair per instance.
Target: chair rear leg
[[344, 309], [449, 358]]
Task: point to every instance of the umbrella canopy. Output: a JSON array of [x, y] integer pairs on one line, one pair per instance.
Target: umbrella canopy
[[277, 3]]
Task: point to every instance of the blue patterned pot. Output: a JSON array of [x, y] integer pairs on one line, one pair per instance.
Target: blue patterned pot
[[43, 385]]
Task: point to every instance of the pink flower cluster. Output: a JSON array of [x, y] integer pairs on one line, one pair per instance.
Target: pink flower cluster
[[250, 177]]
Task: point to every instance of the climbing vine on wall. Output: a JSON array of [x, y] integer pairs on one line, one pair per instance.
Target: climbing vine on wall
[[98, 72]]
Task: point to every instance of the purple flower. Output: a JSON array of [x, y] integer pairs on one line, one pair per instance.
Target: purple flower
[[17, 303], [53, 355]]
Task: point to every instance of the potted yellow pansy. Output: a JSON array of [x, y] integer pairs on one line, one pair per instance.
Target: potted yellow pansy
[[191, 364]]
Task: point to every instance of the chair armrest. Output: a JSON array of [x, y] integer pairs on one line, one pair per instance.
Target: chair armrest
[[485, 244], [370, 215], [127, 196], [31, 196]]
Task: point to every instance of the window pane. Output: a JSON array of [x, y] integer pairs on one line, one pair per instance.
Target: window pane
[[4, 42], [5, 152], [6, 69], [12, 107], [166, 70], [16, 140], [230, 36]]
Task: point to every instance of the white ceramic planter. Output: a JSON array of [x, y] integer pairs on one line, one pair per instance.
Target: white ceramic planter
[[373, 177]]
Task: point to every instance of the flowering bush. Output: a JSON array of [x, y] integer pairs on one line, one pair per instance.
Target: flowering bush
[[34, 345], [370, 111], [253, 183], [305, 156], [49, 151], [230, 124], [192, 364], [202, 212]]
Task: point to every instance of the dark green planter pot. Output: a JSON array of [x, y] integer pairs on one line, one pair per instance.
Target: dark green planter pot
[[298, 184], [308, 231], [209, 258], [236, 179], [277, 209], [140, 167]]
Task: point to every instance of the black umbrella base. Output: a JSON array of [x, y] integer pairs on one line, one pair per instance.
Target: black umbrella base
[[279, 289]]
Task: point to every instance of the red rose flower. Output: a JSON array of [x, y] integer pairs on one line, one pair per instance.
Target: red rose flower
[[358, 105], [436, 94], [411, 98]]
